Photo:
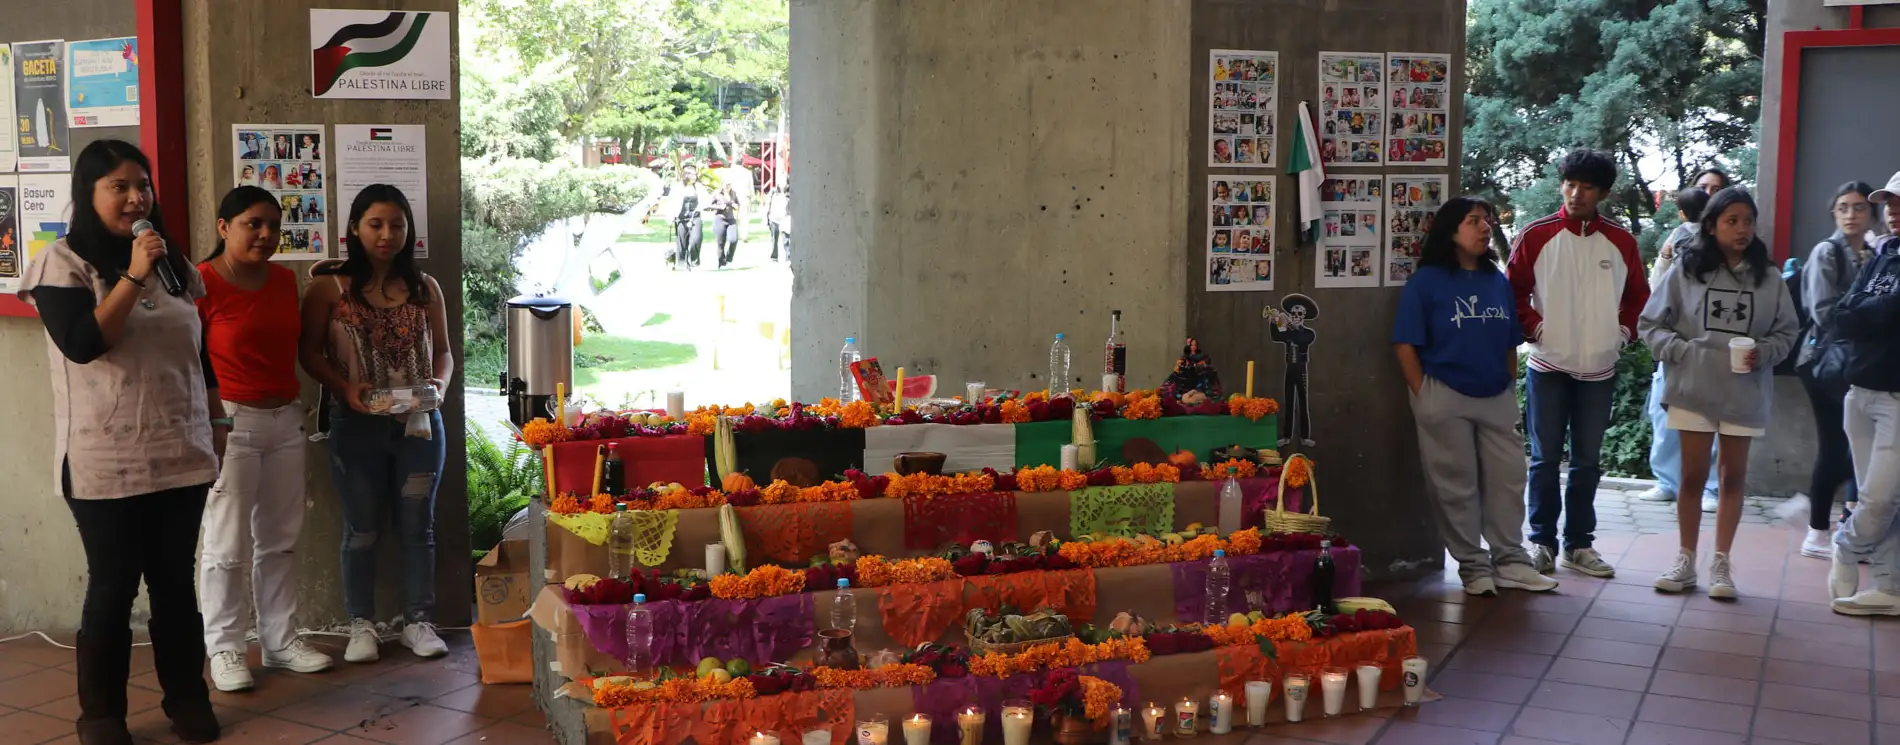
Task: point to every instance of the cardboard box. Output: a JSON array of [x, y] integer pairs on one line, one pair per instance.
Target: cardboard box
[[502, 589]]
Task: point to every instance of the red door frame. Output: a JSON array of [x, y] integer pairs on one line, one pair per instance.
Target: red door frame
[[161, 34], [1794, 43]]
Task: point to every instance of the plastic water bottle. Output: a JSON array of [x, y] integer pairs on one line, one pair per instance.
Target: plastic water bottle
[[847, 385], [640, 639], [1230, 507], [1219, 579], [1059, 355], [844, 607], [620, 544]]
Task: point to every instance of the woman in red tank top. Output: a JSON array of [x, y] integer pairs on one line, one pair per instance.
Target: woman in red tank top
[[256, 510]]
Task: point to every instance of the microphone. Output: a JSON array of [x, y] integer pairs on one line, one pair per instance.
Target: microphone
[[163, 266]]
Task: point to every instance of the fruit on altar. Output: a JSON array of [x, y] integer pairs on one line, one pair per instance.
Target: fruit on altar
[[1193, 398], [1184, 460], [916, 387], [1193, 528], [1173, 539], [1129, 624], [736, 481], [612, 680], [738, 668], [1238, 620], [718, 676], [843, 552], [1256, 616], [1042, 538], [581, 582], [709, 664]]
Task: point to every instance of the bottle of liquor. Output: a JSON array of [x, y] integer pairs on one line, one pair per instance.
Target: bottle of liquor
[[613, 473], [1322, 579], [1115, 356]]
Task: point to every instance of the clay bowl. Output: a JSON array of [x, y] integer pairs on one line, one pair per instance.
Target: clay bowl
[[910, 463]]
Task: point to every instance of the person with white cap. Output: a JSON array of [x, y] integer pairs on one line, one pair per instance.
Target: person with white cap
[[1866, 319]]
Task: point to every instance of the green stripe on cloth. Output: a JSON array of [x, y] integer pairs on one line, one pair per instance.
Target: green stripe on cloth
[[1040, 443]]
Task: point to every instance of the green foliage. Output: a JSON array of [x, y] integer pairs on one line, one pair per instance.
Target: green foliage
[[1626, 443], [500, 483], [1680, 77]]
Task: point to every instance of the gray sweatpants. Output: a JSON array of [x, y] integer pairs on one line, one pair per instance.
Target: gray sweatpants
[[1474, 467]]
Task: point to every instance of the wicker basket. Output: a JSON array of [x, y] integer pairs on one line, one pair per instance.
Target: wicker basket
[[980, 647], [1281, 521]]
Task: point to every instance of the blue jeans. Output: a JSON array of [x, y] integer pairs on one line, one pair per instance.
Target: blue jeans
[[1665, 446], [377, 467], [1557, 407]]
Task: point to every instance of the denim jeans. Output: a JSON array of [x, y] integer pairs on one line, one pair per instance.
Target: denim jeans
[[377, 469], [1557, 408], [1665, 446], [1873, 433]]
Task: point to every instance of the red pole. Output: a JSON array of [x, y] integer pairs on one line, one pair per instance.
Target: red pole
[[162, 107]]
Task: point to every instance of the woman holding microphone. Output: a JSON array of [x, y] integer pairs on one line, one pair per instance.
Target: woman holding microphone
[[138, 428], [256, 509]]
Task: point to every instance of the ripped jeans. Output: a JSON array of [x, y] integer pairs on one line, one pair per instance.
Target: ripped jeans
[[377, 467]]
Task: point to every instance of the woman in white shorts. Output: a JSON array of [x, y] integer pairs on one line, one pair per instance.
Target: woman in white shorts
[[1723, 288]]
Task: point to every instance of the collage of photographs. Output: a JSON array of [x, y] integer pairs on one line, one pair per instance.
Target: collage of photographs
[[1240, 234], [1414, 199], [1242, 104], [289, 163], [1352, 108], [1350, 227], [1420, 113]]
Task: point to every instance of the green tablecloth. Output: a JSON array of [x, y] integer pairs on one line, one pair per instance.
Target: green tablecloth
[[1040, 443]]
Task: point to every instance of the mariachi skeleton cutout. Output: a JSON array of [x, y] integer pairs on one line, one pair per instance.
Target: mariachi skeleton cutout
[[1289, 328]]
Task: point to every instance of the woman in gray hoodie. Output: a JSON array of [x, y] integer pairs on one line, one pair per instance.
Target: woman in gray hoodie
[[1725, 287]]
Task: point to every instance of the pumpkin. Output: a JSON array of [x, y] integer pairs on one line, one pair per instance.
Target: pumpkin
[[1184, 459], [736, 482]]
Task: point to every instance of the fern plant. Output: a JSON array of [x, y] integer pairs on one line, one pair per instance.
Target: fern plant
[[500, 483]]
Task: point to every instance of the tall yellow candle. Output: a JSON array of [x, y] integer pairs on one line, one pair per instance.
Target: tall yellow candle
[[547, 470], [1250, 378], [600, 465], [560, 402], [900, 392]]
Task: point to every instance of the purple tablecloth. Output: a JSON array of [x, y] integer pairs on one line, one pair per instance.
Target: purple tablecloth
[[684, 633], [1271, 583]]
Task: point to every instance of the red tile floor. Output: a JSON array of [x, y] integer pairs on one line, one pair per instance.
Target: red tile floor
[[1598, 662]]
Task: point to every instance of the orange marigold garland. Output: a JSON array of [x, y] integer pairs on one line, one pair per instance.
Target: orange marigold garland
[[1298, 472], [1143, 408], [685, 499], [1252, 408], [779, 492], [1070, 653], [566, 504], [601, 503], [830, 491], [857, 415], [540, 433], [927, 485], [1014, 412], [764, 582], [889, 676], [1144, 550], [877, 571], [1234, 467], [1243, 542], [621, 692], [1097, 696], [1156, 474]]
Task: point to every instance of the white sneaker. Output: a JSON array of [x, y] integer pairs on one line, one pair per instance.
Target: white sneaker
[[1681, 577], [1709, 503], [420, 638], [1869, 603], [1819, 545], [1843, 578], [299, 657], [229, 674], [1541, 560], [1657, 494], [363, 642], [1523, 577], [1588, 561], [1721, 578], [1481, 587]]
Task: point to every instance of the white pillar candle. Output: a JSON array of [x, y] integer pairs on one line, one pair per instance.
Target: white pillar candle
[[1071, 455], [1258, 692], [874, 731], [1332, 688], [1017, 718], [1187, 718], [676, 405], [763, 738], [1296, 687], [1414, 668], [818, 737], [1151, 722], [1368, 686], [917, 730], [973, 392], [1220, 713], [1111, 381], [715, 559], [970, 726]]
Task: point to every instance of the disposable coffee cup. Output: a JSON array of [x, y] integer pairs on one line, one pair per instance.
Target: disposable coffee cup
[[1738, 349], [1414, 668]]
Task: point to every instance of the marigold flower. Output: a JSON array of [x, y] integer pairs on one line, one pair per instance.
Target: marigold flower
[[566, 504], [540, 433], [1233, 467], [1014, 412], [1143, 408], [858, 415], [1297, 473]]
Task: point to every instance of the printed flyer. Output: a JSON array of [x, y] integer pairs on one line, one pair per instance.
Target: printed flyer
[[1418, 132], [40, 107], [45, 210], [9, 151], [379, 54], [11, 244], [1352, 108], [1241, 105], [102, 82], [287, 160], [383, 154], [1239, 233], [1354, 211], [1414, 200]]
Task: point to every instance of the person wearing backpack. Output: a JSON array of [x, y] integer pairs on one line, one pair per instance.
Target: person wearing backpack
[[1824, 279], [1865, 320], [1665, 448]]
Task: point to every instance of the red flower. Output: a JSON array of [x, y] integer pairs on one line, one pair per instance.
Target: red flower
[[697, 592], [1163, 644], [953, 670], [744, 498], [1057, 561], [1101, 477], [1059, 405], [970, 566], [1104, 409], [766, 685]]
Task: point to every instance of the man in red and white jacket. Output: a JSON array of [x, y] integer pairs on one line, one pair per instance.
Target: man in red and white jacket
[[1580, 286]]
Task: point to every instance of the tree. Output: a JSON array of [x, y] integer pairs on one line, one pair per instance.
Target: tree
[[1680, 78]]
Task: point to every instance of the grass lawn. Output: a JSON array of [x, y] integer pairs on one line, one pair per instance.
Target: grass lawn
[[602, 354]]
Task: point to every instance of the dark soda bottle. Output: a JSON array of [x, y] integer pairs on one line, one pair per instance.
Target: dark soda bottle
[[613, 473], [1323, 576]]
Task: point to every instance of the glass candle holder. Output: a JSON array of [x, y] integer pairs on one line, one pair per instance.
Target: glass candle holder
[[1220, 713], [1368, 679], [1259, 692], [1018, 717], [1332, 688], [917, 730], [970, 726], [874, 730], [1153, 722], [1296, 686], [1187, 718]]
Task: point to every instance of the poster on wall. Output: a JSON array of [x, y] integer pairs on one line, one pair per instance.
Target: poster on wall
[[1419, 128], [1239, 233], [102, 82], [1353, 219], [1352, 108], [1414, 199], [1242, 101], [9, 151], [45, 211], [382, 154], [12, 245], [287, 160], [39, 109], [379, 54]]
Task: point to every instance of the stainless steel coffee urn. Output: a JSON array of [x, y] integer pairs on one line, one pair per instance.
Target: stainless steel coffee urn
[[540, 355]]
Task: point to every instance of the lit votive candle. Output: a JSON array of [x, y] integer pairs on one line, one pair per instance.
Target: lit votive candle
[[1220, 713], [763, 738], [1332, 689], [917, 730], [874, 731], [1368, 686], [1187, 718], [1151, 722], [1017, 718], [970, 726], [1121, 725], [1258, 692], [1296, 687], [818, 737]]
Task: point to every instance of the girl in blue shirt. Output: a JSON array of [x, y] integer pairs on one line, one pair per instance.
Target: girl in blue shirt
[[1456, 337]]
